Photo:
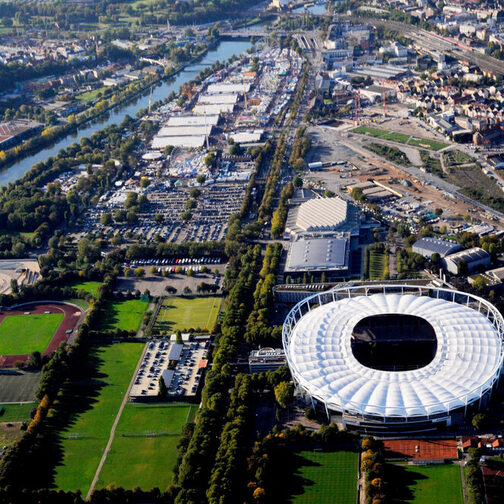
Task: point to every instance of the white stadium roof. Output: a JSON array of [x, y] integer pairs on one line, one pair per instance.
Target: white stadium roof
[[467, 362]]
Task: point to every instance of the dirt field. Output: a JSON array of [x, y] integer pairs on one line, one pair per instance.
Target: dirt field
[[418, 449], [72, 317]]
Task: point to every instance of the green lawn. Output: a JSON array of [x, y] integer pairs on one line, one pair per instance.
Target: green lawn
[[125, 315], [179, 313], [399, 137], [90, 95], [81, 303], [327, 477], [378, 261], [15, 412], [428, 484], [144, 450], [23, 334], [86, 433], [91, 287]]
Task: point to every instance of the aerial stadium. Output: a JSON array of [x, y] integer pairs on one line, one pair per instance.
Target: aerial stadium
[[394, 358]]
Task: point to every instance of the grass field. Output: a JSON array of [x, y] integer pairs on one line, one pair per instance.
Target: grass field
[[24, 334], [427, 484], [81, 303], [399, 137], [124, 315], [91, 287], [179, 313], [86, 433], [144, 450], [19, 386], [90, 95], [16, 412], [378, 261], [327, 477]]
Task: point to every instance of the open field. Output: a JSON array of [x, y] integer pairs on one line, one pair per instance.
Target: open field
[[378, 261], [91, 287], [24, 334], [91, 407], [144, 450], [327, 477], [18, 386], [90, 95], [179, 313], [426, 484], [81, 303], [392, 136], [124, 315]]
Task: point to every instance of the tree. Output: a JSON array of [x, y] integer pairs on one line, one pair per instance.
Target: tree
[[298, 182], [14, 286], [131, 200], [479, 284], [106, 219], [153, 270], [357, 194], [186, 216], [178, 337], [480, 421], [139, 272], [462, 268], [163, 391], [283, 393], [201, 179], [438, 212]]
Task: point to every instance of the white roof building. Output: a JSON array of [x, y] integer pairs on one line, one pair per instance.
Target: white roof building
[[195, 120], [213, 108], [228, 88], [219, 98], [178, 141], [467, 362]]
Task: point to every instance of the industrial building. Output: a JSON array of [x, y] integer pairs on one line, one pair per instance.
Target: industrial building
[[13, 133], [193, 120], [461, 357], [213, 108], [429, 245], [228, 88], [474, 258]]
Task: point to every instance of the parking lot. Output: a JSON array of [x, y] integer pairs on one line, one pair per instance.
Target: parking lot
[[179, 365]]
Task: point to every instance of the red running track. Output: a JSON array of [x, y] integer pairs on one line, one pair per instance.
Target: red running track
[[72, 315]]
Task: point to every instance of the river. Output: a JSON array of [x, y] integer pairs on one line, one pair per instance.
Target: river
[[222, 52]]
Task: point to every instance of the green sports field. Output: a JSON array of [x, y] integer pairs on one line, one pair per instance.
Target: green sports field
[[378, 261], [426, 484], [24, 334], [327, 477], [125, 315], [91, 287], [95, 403], [144, 450], [179, 313]]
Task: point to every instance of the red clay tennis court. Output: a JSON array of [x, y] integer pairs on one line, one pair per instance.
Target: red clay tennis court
[[421, 449], [72, 315]]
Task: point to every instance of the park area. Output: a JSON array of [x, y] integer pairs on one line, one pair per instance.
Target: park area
[[401, 138], [123, 315], [24, 334], [11, 418], [325, 477], [183, 313], [425, 484], [144, 451], [86, 410]]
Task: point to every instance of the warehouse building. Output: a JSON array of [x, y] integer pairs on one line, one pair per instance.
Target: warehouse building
[[213, 108], [219, 98], [180, 131], [228, 88], [429, 245], [474, 258], [180, 141], [193, 120]]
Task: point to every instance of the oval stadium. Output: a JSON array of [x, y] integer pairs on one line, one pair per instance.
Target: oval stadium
[[394, 358]]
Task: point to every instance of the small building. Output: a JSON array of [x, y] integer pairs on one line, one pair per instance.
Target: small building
[[429, 245], [266, 359], [175, 352], [474, 258]]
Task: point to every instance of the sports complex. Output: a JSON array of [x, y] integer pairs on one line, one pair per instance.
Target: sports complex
[[40, 326], [394, 358]]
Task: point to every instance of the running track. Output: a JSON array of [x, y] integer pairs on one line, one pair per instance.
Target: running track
[[70, 321]]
